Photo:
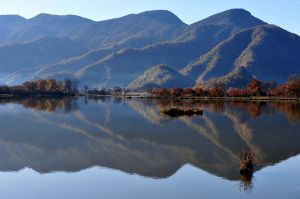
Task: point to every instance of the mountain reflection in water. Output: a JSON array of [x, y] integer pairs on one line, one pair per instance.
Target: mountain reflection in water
[[131, 135]]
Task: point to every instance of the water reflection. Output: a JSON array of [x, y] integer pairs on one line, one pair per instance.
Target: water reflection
[[247, 168], [134, 137], [246, 183], [49, 104]]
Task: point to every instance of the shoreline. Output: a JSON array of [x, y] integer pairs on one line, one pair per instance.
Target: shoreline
[[262, 98], [36, 95], [143, 96]]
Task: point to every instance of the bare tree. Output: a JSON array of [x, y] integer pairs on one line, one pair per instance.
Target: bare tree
[[86, 88]]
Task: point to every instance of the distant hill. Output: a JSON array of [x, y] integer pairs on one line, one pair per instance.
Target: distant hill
[[18, 29], [41, 51], [134, 30], [231, 48], [265, 52], [128, 64], [160, 76], [239, 17], [7, 25]]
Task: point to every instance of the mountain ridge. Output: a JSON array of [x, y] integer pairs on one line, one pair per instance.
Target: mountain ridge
[[120, 51]]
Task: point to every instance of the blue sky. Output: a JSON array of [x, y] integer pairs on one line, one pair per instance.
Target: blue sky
[[285, 13]]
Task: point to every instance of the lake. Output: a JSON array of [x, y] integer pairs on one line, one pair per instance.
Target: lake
[[126, 148]]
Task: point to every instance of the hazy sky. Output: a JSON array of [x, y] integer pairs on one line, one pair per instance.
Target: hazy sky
[[285, 13]]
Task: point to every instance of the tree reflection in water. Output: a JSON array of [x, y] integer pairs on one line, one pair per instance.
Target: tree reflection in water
[[100, 133], [246, 171], [254, 108], [49, 104], [246, 182]]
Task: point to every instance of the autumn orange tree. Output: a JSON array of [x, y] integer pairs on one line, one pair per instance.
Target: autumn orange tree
[[161, 92], [41, 85], [188, 92], [50, 86], [216, 92], [176, 92], [53, 85], [289, 89], [199, 91], [237, 92], [255, 88]]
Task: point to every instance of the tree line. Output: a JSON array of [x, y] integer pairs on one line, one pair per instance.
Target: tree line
[[255, 88], [71, 87], [43, 87]]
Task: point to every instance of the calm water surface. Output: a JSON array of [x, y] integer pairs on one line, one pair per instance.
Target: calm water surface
[[115, 148]]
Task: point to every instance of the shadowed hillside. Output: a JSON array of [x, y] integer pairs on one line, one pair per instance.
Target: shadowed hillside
[[229, 48], [41, 51]]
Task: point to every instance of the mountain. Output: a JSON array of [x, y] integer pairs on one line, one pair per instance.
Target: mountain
[[239, 77], [160, 76], [239, 17], [220, 60], [66, 67], [7, 24], [122, 67], [135, 30], [219, 26], [265, 52], [9, 20], [126, 65], [42, 51], [19, 30], [125, 31], [128, 31], [231, 47]]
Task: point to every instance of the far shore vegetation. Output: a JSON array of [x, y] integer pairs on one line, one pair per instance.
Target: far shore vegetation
[[42, 87], [256, 90]]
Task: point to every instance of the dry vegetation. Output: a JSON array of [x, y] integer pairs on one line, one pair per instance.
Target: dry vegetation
[[255, 88], [42, 87]]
